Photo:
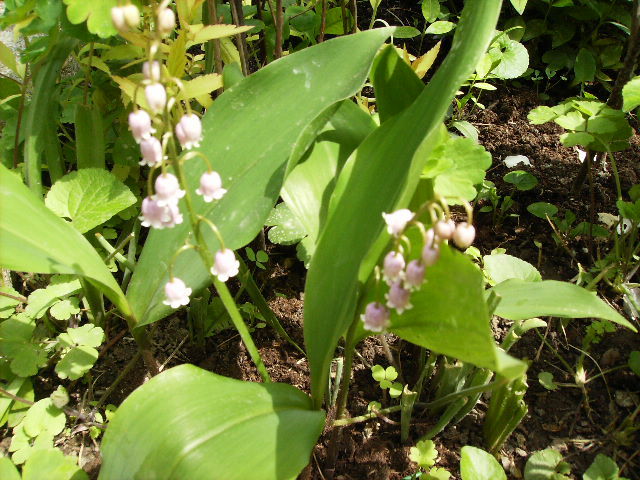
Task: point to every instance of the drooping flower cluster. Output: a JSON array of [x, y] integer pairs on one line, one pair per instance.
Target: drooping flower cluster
[[403, 278], [148, 125]]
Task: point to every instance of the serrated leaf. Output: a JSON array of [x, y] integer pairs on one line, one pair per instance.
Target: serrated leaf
[[457, 165], [56, 465], [430, 10], [501, 267], [97, 13], [440, 27], [631, 95], [76, 362], [87, 335], [542, 114], [285, 229], [23, 446], [572, 121], [424, 454], [40, 300], [89, 197], [574, 139], [7, 304], [63, 309], [437, 473], [44, 418], [546, 380], [202, 85]]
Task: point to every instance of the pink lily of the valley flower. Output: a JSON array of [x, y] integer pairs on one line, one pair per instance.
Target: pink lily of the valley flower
[[375, 317], [177, 293], [225, 265], [211, 187]]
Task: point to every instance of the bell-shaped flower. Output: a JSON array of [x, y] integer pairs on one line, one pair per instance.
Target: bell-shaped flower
[[131, 15], [167, 189], [225, 265], [211, 187], [159, 216], [177, 293], [375, 317], [398, 297], [156, 97], [414, 275], [464, 235], [151, 150], [444, 229], [430, 255], [117, 17], [189, 131], [152, 71], [174, 217], [140, 125], [393, 266], [166, 21], [397, 221]]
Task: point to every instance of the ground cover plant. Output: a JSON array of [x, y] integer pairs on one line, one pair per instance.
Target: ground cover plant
[[281, 240]]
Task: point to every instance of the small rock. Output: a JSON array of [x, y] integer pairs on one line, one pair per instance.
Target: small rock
[[610, 357]]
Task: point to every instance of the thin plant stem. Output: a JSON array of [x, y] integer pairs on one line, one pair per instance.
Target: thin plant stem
[[279, 28]]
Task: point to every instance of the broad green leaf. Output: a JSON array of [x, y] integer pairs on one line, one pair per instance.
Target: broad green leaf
[[34, 239], [60, 286], [263, 116], [602, 468], [37, 119], [585, 66], [519, 5], [64, 309], [237, 430], [43, 418], [572, 121], [631, 94], [76, 362], [308, 187], [574, 139], [375, 182], [56, 465], [542, 114], [450, 315], [476, 464], [97, 13], [202, 85], [521, 179], [430, 10], [543, 465], [8, 471], [440, 27], [89, 137], [89, 197], [521, 300], [87, 335], [501, 267], [514, 59], [390, 69], [23, 446], [457, 165], [406, 32], [285, 229], [334, 24], [546, 380]]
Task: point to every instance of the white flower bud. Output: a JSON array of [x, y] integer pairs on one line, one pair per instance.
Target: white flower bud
[[117, 17], [151, 152], [152, 71], [445, 229], [166, 21], [140, 125], [375, 317], [168, 190], [189, 131], [177, 293], [131, 15], [156, 97], [464, 235], [211, 187], [393, 266], [225, 265]]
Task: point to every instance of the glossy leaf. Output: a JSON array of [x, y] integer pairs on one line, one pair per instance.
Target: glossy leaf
[[500, 267], [375, 182], [219, 427], [521, 300], [450, 316], [263, 116], [476, 464], [34, 239], [430, 10]]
